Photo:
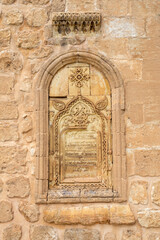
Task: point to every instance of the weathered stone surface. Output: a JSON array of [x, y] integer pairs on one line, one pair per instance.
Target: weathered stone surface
[[155, 193], [8, 110], [78, 6], [135, 113], [13, 17], [131, 235], [5, 37], [110, 236], [12, 160], [37, 17], [149, 218], [26, 124], [76, 215], [10, 61], [153, 236], [151, 112], [138, 192], [6, 83], [152, 26], [121, 214], [81, 234], [147, 163], [6, 211], [62, 41], [18, 187], [8, 1], [42, 52], [8, 132], [12, 232], [29, 211], [35, 2], [123, 27], [28, 39], [26, 85], [1, 185], [43, 233], [58, 6], [120, 10]]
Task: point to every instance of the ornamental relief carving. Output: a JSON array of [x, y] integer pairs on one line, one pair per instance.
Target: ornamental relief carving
[[80, 151], [64, 23]]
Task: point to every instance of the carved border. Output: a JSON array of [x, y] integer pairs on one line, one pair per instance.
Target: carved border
[[49, 69]]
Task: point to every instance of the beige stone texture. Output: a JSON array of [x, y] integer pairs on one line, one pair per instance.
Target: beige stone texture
[[155, 193], [76, 6], [81, 234], [134, 113], [26, 85], [28, 39], [147, 163], [18, 187], [35, 2], [8, 1], [131, 235], [29, 211], [121, 214], [10, 61], [8, 111], [152, 26], [120, 10], [8, 132], [13, 17], [12, 160], [110, 236], [26, 124], [138, 192], [58, 6], [5, 37], [1, 185], [6, 83], [149, 218], [6, 211], [43, 232], [76, 215], [12, 232], [153, 236], [37, 17], [151, 112]]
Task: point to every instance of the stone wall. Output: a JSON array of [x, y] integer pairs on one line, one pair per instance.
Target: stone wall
[[130, 38]]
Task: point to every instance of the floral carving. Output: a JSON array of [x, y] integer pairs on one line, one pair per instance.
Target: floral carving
[[79, 77]]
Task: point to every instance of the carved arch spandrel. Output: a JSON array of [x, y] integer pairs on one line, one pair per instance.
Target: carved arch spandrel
[[50, 68]]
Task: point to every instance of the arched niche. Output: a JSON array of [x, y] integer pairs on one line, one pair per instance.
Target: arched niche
[[58, 89]]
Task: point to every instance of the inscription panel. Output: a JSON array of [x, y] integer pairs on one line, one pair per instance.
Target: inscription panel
[[80, 135]]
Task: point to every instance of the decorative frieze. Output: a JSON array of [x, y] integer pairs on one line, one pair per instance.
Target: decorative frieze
[[64, 23]]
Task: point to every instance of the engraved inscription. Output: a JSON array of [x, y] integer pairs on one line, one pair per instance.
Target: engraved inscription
[[80, 156]]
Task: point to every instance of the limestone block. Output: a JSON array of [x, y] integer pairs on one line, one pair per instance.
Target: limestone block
[[123, 27], [81, 234], [1, 185], [76, 215], [151, 71], [29, 211], [152, 26], [8, 132], [18, 187], [6, 211], [26, 85], [43, 232], [80, 6], [154, 236], [10, 61], [149, 218], [110, 236], [12, 232], [155, 193], [37, 17], [8, 110], [120, 10], [147, 163], [121, 214], [58, 6], [131, 235], [135, 113], [6, 83], [14, 17], [35, 2], [26, 124], [138, 192], [151, 112], [28, 39], [5, 37], [42, 52], [145, 8], [12, 160], [8, 1]]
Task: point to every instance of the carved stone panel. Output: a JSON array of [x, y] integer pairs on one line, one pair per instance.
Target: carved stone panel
[[80, 148]]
